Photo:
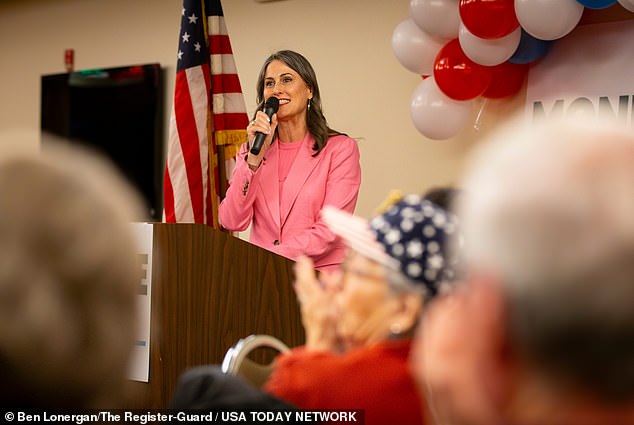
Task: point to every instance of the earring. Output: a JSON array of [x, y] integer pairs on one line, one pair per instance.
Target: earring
[[395, 328], [309, 104]]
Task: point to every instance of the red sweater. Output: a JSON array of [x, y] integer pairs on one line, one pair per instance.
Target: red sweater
[[375, 379]]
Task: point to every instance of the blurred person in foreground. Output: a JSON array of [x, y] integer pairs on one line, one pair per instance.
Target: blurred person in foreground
[[68, 278], [360, 321], [542, 331]]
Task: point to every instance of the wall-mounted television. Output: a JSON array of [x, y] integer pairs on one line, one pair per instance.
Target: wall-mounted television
[[115, 111]]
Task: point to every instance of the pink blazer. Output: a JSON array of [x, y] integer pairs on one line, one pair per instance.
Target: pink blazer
[[293, 226]]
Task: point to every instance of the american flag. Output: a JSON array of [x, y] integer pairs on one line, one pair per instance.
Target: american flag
[[208, 119]]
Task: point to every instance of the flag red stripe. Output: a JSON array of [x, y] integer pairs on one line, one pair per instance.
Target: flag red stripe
[[220, 44], [225, 83], [190, 143], [231, 121]]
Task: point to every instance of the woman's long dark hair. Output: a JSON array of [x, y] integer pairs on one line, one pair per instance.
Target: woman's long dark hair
[[315, 120]]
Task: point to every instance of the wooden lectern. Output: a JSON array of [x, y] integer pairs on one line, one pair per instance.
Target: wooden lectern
[[210, 289]]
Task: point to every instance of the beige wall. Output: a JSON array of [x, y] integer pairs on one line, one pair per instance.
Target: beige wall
[[365, 90]]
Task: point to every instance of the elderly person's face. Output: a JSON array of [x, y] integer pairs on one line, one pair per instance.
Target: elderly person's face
[[368, 308]]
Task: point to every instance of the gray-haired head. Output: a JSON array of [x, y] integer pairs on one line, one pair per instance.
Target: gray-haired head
[[69, 273], [550, 212]]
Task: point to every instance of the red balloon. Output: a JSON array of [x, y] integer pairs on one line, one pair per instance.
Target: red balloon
[[489, 18], [506, 79], [457, 76]]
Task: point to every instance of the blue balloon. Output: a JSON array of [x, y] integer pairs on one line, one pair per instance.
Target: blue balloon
[[530, 49], [597, 4]]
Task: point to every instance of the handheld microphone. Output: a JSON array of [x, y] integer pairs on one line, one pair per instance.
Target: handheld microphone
[[271, 106]]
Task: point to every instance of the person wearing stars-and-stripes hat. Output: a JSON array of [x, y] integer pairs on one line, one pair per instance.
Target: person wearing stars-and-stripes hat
[[414, 235], [359, 323]]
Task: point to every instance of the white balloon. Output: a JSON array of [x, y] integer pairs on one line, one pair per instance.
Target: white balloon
[[435, 115], [628, 4], [548, 19], [439, 18], [415, 49], [488, 52]]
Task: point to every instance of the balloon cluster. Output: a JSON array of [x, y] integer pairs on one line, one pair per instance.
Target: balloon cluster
[[465, 49]]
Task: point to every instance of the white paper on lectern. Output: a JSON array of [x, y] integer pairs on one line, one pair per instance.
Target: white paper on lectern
[[139, 368], [587, 72]]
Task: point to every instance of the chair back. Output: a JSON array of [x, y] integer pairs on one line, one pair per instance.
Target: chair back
[[236, 361]]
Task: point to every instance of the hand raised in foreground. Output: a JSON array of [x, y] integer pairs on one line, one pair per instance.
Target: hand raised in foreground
[[316, 298]]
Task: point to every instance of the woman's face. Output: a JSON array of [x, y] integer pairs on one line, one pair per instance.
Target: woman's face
[[365, 302], [284, 83]]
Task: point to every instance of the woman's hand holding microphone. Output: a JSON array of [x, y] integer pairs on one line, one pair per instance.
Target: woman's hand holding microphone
[[265, 123]]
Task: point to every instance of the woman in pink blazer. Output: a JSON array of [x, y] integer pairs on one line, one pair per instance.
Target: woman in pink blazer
[[303, 165]]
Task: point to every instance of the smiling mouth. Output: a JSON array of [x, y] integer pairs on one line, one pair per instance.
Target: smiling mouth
[[284, 101]]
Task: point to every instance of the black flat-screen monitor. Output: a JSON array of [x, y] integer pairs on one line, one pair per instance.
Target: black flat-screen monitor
[[115, 111]]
